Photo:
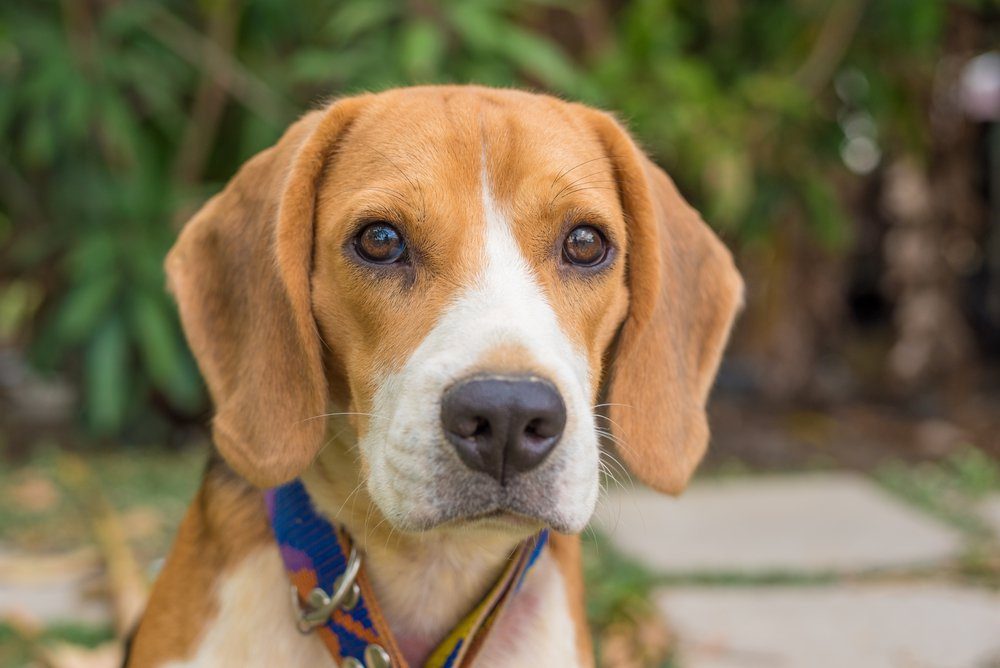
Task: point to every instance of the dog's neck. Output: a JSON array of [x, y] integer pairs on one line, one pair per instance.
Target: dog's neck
[[424, 582]]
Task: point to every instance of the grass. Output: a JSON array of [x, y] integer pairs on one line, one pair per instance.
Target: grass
[[949, 489], [15, 651], [625, 624], [150, 487]]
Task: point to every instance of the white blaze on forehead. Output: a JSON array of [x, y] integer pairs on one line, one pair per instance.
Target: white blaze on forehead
[[513, 299], [503, 305]]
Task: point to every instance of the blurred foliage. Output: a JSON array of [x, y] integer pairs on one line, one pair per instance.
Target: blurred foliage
[[950, 489], [152, 488], [626, 626], [16, 651], [119, 117]]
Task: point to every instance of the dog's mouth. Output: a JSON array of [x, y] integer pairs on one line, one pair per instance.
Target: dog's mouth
[[502, 518]]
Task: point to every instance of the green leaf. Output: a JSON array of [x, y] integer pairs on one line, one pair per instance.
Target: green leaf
[[39, 141], [540, 59], [83, 308], [106, 377], [421, 50], [356, 18], [826, 217], [158, 339], [94, 255]]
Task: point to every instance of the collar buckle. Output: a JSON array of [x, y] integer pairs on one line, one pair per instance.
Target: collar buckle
[[318, 607]]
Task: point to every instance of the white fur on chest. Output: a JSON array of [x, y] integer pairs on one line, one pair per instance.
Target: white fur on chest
[[536, 628], [254, 625]]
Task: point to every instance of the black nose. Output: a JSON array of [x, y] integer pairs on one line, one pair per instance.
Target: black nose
[[503, 426]]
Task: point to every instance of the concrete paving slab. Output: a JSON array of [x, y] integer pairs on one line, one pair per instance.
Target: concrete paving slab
[[869, 626], [989, 509], [57, 601], [822, 522], [49, 588]]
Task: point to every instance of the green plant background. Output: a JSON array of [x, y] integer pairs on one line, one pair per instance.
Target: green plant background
[[118, 118]]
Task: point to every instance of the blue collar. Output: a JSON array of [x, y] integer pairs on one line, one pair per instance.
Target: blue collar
[[332, 596]]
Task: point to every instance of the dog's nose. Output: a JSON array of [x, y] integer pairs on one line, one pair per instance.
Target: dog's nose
[[503, 426]]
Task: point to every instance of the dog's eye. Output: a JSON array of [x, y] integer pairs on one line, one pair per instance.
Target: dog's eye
[[585, 246], [380, 243]]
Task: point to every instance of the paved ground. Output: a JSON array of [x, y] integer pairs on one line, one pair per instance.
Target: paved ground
[[990, 512], [56, 588], [830, 522], [862, 626], [899, 612], [888, 601]]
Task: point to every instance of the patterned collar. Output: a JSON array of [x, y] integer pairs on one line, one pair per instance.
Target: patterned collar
[[332, 596]]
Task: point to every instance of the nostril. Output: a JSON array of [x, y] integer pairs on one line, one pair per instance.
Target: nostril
[[471, 427], [482, 428], [542, 428]]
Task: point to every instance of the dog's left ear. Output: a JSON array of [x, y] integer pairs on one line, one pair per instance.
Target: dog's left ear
[[684, 292], [240, 271]]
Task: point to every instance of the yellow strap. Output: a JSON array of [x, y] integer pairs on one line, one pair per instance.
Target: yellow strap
[[480, 617]]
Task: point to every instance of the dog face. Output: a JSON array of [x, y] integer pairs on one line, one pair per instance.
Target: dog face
[[468, 281], [461, 270]]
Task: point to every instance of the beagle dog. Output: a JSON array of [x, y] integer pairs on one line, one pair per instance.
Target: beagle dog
[[417, 315]]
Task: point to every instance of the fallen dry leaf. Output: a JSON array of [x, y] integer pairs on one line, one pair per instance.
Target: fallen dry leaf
[[641, 639], [63, 655], [34, 493], [142, 522]]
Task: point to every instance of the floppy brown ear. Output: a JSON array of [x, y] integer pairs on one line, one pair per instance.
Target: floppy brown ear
[[240, 272], [684, 294]]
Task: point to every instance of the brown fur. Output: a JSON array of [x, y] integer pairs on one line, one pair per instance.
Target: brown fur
[[285, 326], [566, 550], [225, 522], [685, 292]]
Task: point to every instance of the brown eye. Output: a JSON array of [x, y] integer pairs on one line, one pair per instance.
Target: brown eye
[[585, 246], [380, 243]]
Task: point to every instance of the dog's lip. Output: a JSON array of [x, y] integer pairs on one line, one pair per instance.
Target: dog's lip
[[504, 517]]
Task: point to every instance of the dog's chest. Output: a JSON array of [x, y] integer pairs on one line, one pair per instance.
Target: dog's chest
[[254, 625], [536, 627]]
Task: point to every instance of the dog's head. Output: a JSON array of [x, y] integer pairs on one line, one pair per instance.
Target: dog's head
[[471, 274]]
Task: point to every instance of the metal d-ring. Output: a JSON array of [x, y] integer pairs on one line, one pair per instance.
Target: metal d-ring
[[319, 605]]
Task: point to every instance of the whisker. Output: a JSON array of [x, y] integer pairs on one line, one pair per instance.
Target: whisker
[[413, 184], [353, 492], [333, 439], [597, 541], [612, 475], [621, 467], [605, 417], [614, 439], [578, 190], [609, 474], [327, 415], [389, 191], [581, 164], [368, 516], [323, 341], [578, 180], [596, 406]]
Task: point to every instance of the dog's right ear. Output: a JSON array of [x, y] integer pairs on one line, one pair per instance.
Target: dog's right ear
[[684, 292], [240, 272]]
